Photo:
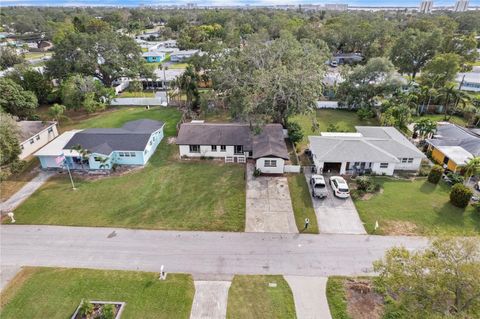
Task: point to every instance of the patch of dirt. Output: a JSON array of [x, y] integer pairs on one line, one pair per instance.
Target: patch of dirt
[[172, 140], [362, 301], [397, 227]]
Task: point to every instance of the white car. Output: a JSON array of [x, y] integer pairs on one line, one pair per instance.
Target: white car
[[319, 187], [339, 186]]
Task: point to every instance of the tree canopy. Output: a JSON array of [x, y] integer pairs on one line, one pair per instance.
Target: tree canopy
[[15, 100]]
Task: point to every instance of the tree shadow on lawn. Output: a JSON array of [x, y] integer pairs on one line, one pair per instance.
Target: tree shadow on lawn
[[454, 218], [428, 188]]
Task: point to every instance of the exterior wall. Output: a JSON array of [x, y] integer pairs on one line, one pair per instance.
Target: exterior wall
[[206, 150], [94, 164], [383, 171], [152, 59], [414, 166], [39, 140], [260, 165], [439, 157], [115, 158], [48, 162], [152, 145]]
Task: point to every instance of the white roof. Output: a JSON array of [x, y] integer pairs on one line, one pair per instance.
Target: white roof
[[456, 153], [369, 144], [55, 147]]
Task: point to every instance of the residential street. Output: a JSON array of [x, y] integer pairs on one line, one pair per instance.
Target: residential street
[[196, 252]]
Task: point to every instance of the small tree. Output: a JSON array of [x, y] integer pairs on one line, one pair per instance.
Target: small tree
[[56, 111], [460, 195], [295, 133], [425, 127], [435, 174]]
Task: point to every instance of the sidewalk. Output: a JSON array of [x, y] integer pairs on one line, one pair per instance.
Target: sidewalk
[[16, 199], [309, 295]]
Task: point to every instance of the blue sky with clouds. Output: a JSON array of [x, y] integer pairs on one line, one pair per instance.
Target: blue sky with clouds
[[219, 2]]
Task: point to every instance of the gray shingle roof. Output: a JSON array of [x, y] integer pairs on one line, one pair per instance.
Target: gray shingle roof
[[269, 142], [453, 135], [133, 136], [377, 144]]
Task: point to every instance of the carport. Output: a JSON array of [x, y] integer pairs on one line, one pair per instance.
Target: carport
[[332, 167]]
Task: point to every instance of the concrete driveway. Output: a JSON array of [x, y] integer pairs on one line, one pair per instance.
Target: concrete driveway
[[336, 215], [269, 206]]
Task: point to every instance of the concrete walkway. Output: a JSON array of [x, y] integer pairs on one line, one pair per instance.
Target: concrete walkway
[[269, 206], [7, 273], [336, 215], [196, 252], [210, 301], [25, 192], [310, 297]]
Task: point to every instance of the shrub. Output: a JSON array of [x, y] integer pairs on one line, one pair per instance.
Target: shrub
[[455, 178], [108, 312], [256, 172], [364, 113], [435, 174], [460, 195], [367, 184], [295, 133], [86, 308], [424, 170]]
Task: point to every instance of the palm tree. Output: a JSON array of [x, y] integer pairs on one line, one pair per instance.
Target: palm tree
[[84, 154], [425, 127], [471, 168], [447, 92]]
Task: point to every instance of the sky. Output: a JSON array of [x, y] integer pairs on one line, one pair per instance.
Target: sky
[[220, 2]]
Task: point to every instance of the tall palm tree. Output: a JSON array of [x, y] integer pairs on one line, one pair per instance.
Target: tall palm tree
[[471, 168], [446, 94]]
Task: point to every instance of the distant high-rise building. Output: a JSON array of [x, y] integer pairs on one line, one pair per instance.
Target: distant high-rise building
[[461, 5], [426, 6], [336, 7]]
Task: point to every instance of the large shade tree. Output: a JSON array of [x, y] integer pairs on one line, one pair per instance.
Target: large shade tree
[[15, 100], [272, 80]]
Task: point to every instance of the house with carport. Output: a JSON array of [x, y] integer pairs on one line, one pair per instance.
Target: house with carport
[[372, 149], [235, 143], [102, 148]]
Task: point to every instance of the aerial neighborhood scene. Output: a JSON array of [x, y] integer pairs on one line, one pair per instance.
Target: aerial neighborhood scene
[[240, 159]]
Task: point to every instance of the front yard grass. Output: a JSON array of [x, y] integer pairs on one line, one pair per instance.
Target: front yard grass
[[302, 203], [251, 297], [137, 94], [16, 181], [345, 121], [337, 302], [416, 208], [455, 119], [56, 293], [167, 193]]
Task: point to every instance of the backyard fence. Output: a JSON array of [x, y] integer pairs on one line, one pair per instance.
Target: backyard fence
[[292, 168]]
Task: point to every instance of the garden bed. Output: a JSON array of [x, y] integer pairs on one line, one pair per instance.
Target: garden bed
[[97, 310]]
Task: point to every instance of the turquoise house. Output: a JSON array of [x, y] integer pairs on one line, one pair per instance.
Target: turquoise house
[[154, 56], [132, 144]]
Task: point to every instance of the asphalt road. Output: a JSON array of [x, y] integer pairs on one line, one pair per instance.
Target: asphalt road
[[201, 253]]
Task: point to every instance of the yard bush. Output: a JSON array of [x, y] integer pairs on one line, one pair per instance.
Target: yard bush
[[435, 174], [455, 178], [460, 195], [367, 184], [295, 133]]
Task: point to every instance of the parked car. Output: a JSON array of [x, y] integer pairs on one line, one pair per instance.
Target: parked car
[[319, 187], [339, 186], [333, 64]]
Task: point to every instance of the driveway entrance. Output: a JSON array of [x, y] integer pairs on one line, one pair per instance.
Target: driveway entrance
[[336, 215], [269, 207]]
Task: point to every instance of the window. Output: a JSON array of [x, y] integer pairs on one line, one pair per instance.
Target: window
[[37, 137], [223, 148], [214, 148], [194, 148], [383, 165], [404, 160], [32, 141], [121, 154], [127, 154], [132, 154], [98, 158], [50, 130], [23, 147], [238, 149], [410, 160], [270, 163]]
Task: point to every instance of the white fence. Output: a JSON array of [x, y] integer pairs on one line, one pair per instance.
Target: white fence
[[327, 104], [291, 168], [122, 86]]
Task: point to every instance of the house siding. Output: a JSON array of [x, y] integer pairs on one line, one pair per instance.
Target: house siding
[[439, 158], [260, 165], [45, 137], [414, 166], [206, 151]]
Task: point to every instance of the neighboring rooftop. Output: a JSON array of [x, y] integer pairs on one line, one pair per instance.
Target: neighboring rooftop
[[369, 144], [449, 134], [133, 136], [269, 142], [27, 129], [55, 147]]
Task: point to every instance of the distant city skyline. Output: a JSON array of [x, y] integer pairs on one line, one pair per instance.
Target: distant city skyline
[[385, 3]]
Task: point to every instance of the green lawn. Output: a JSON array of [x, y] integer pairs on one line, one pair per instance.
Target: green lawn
[[137, 94], [56, 293], [178, 66], [36, 55], [167, 193], [416, 207], [439, 118], [302, 203], [345, 121], [251, 297], [337, 301]]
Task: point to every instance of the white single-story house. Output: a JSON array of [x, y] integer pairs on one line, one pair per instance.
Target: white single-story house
[[375, 149], [34, 135], [235, 142], [469, 81], [179, 56], [132, 144]]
